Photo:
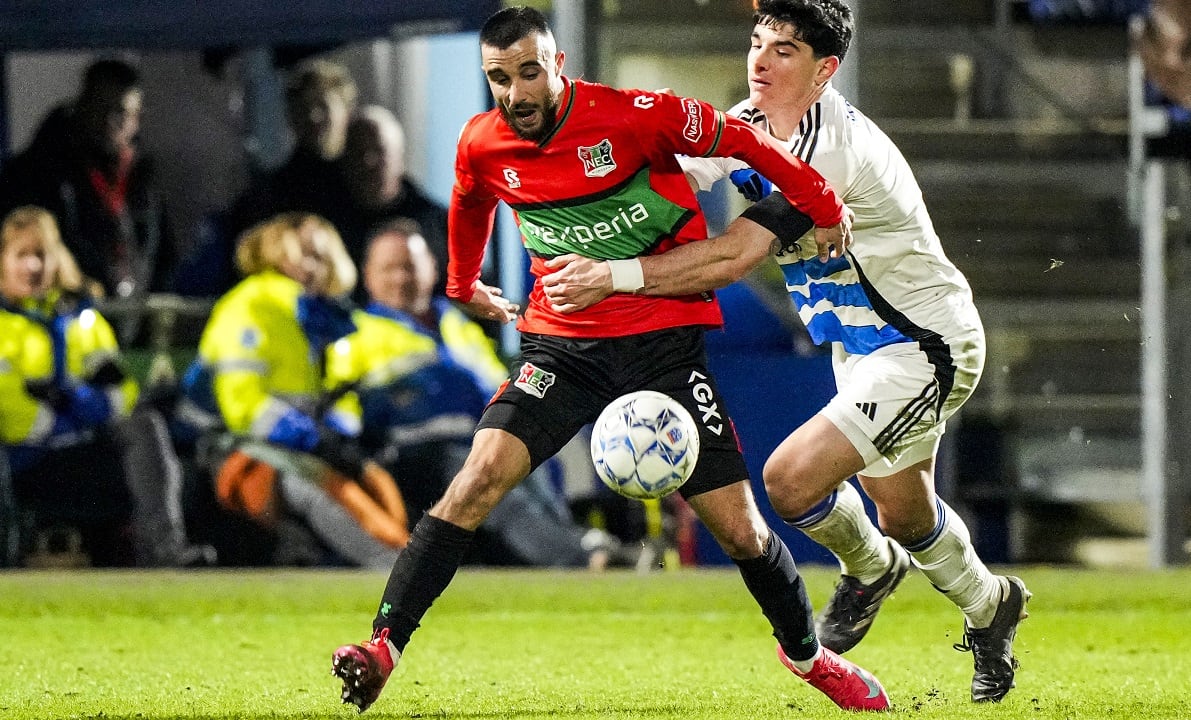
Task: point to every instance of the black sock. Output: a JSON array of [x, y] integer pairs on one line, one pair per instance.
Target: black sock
[[420, 574], [777, 587]]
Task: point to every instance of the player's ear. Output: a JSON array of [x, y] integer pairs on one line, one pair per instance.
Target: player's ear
[[559, 58], [827, 68]]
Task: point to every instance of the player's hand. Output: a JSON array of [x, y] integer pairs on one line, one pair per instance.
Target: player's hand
[[751, 184], [834, 241], [577, 283], [488, 303]]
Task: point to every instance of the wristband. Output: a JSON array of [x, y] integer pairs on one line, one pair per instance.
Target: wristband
[[778, 216], [627, 275]]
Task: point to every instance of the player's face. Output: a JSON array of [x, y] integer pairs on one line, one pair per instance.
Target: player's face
[[25, 267], [783, 72], [526, 81], [400, 272]]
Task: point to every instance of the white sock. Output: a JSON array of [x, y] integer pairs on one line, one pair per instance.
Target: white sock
[[863, 552], [950, 563], [804, 666]]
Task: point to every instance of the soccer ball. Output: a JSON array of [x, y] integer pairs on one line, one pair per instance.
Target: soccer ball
[[644, 445]]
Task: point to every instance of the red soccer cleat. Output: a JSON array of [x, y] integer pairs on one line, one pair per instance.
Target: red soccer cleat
[[847, 684], [365, 668]]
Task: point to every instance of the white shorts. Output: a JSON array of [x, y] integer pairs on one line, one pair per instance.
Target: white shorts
[[893, 404]]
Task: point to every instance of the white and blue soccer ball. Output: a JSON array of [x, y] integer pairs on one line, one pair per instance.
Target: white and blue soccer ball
[[645, 445]]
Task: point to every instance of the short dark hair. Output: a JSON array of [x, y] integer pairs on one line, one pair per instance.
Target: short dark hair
[[511, 24], [825, 25], [106, 74]]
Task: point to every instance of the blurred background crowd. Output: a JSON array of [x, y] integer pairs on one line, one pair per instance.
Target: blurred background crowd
[[324, 398], [224, 337]]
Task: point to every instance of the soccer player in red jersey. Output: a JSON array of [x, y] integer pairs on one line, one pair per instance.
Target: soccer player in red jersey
[[591, 170]]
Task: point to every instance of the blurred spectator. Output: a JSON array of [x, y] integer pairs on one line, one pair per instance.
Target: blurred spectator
[[83, 165], [81, 451], [1088, 12], [286, 454], [378, 189], [427, 372], [320, 98], [1163, 46]]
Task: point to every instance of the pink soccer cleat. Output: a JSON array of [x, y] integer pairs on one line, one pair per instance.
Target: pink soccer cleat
[[365, 668], [847, 684]]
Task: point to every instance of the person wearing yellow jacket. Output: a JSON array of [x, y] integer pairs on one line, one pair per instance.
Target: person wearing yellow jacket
[[291, 437], [425, 372], [81, 450]]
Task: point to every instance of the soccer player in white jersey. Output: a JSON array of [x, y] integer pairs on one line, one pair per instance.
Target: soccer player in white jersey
[[907, 342]]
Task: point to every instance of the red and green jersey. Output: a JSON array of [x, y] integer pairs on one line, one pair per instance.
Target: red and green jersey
[[605, 184]]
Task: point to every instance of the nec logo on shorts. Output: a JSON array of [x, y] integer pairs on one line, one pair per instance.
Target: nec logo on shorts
[[534, 380], [694, 121]]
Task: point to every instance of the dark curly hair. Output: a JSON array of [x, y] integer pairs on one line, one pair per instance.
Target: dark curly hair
[[825, 25]]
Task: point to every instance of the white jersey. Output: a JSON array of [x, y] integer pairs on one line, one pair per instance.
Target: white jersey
[[895, 294], [896, 283]]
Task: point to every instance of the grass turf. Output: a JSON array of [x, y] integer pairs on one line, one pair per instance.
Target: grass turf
[[558, 645]]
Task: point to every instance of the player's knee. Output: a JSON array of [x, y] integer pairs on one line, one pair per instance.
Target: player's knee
[[788, 492], [905, 525], [744, 542]]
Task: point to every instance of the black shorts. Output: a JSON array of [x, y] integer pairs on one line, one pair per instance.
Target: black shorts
[[560, 384]]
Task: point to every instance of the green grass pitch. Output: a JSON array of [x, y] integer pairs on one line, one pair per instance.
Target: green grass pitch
[[556, 645]]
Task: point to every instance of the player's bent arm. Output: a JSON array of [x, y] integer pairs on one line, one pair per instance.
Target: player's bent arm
[[720, 261], [578, 282], [708, 265]]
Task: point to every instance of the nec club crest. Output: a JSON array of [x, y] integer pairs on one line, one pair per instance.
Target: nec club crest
[[534, 380], [597, 159]]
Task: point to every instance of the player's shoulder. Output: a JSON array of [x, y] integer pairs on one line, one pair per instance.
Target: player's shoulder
[[835, 123], [591, 94], [479, 124], [837, 111], [639, 99], [747, 112]]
